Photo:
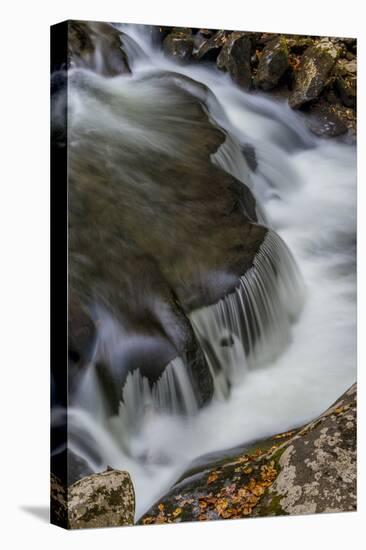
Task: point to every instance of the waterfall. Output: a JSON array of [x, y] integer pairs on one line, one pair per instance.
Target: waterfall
[[278, 355], [252, 325], [172, 393]]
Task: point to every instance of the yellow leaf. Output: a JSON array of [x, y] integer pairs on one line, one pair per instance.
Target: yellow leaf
[[212, 477], [147, 521], [221, 505]]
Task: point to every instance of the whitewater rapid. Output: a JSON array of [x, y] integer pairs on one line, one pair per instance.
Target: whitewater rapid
[[306, 189]]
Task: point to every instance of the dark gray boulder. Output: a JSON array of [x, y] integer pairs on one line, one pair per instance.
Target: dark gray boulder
[[273, 63], [312, 76], [179, 44], [209, 48], [198, 236], [235, 58], [324, 120], [346, 88]]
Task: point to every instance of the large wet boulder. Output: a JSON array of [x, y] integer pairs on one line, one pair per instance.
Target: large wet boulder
[[208, 49], [273, 63], [235, 58], [179, 44], [305, 471], [96, 46], [312, 75], [156, 229]]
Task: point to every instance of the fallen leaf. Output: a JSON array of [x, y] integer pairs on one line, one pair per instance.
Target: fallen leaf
[[212, 477], [147, 521], [221, 505]]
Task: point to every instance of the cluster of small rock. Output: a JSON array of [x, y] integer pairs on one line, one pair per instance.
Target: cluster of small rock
[[318, 75]]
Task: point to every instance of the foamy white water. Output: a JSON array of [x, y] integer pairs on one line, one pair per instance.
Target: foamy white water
[[306, 189]]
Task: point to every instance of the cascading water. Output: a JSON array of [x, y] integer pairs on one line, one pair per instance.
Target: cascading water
[[275, 367], [251, 326]]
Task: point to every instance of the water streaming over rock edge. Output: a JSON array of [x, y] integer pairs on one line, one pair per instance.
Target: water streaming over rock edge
[[319, 362]]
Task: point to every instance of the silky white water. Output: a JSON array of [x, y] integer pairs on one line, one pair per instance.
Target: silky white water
[[306, 191]]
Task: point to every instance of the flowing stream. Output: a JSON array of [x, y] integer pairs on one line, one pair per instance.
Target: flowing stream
[[304, 355]]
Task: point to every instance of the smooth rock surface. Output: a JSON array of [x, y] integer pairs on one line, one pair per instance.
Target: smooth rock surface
[[199, 220]]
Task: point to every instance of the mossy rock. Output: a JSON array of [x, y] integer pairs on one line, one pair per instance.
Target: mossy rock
[[273, 63], [235, 58], [311, 77], [309, 470], [101, 500]]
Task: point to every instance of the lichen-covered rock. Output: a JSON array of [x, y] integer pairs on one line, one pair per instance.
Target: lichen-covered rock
[[272, 63], [179, 44], [312, 75], [309, 470], [317, 467], [96, 46], [209, 49], [101, 500], [235, 58]]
